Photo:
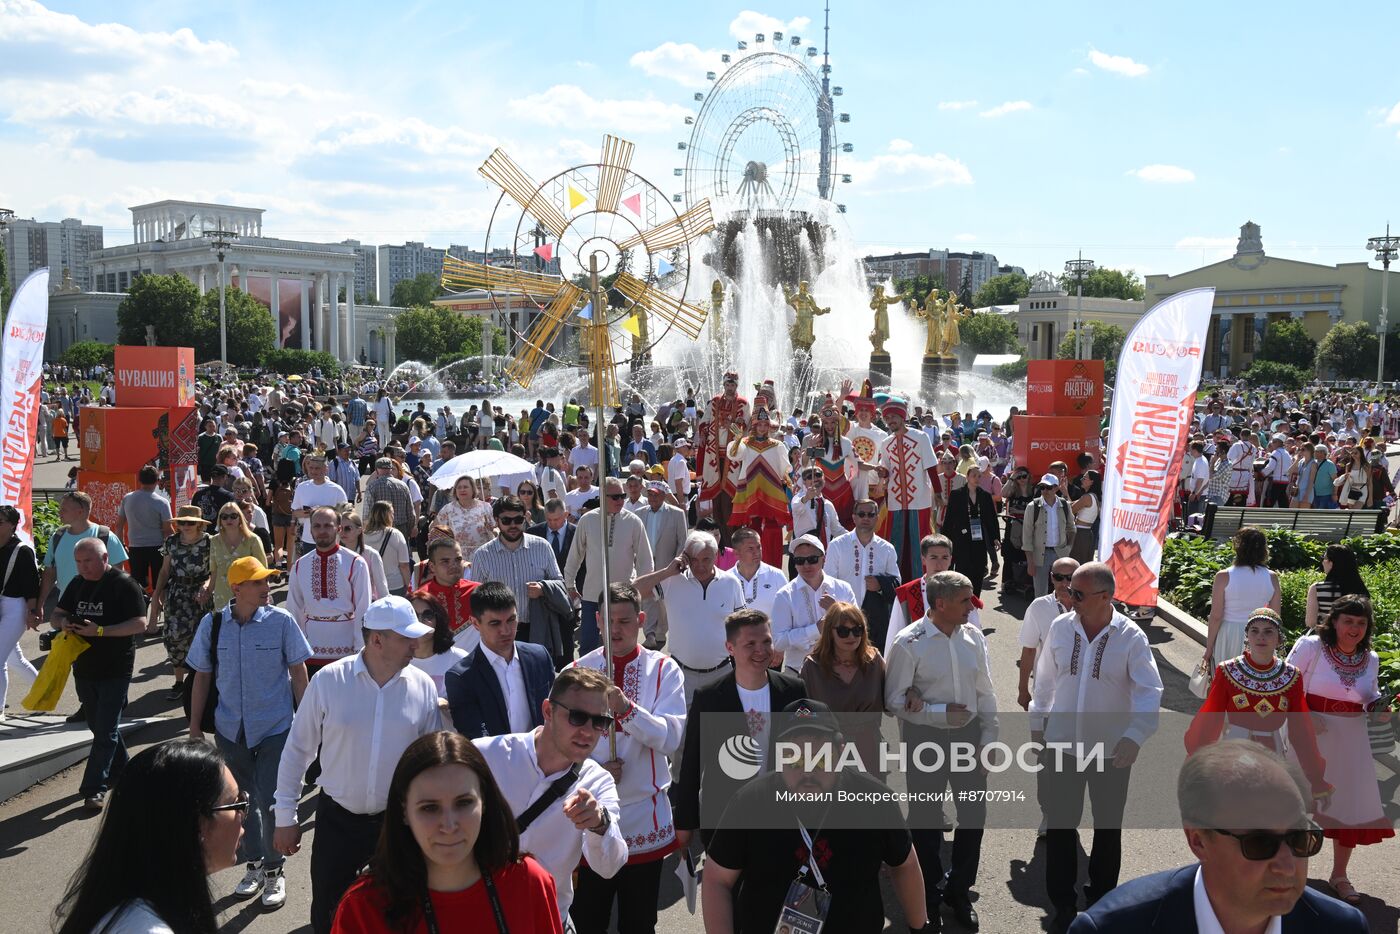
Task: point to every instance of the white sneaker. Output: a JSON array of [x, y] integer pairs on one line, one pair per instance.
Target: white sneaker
[[252, 882], [274, 893]]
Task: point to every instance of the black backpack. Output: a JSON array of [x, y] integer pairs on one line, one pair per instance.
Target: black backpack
[[206, 722]]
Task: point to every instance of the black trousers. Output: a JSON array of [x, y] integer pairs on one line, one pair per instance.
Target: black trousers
[[1062, 799], [343, 845], [635, 887], [144, 562], [926, 819]]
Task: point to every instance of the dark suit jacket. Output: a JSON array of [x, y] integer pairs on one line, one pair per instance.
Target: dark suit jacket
[[1163, 903], [560, 554], [958, 528], [720, 697], [475, 697]]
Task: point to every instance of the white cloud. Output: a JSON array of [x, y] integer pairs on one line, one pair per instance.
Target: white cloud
[[749, 23], [569, 105], [1079, 71], [966, 238], [1163, 174], [1394, 116], [681, 62], [27, 23], [372, 131], [956, 105], [288, 90], [1118, 64], [901, 145], [1009, 107], [907, 171], [164, 106]]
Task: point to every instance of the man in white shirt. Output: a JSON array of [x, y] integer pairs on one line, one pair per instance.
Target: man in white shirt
[[583, 454], [361, 713], [698, 598], [1096, 684], [800, 605], [583, 491], [314, 490], [1241, 459], [861, 558], [666, 531], [939, 683], [628, 554], [678, 469], [759, 583], [328, 592], [1196, 477], [647, 698], [550, 475], [812, 513], [634, 485], [1279, 461], [1035, 626], [582, 819]]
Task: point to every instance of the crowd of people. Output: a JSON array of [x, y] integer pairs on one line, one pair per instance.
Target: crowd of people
[[437, 665]]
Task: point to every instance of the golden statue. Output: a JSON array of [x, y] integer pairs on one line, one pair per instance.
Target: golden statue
[[806, 309], [880, 304], [640, 340], [716, 306], [932, 314], [952, 335]]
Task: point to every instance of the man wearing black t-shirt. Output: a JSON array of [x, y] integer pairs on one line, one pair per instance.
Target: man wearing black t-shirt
[[762, 863], [107, 608]]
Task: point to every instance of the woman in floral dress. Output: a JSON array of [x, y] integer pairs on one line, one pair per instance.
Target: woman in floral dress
[[468, 516], [180, 587]]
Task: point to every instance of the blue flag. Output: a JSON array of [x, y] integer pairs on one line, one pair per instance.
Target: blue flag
[[663, 267], [587, 311]]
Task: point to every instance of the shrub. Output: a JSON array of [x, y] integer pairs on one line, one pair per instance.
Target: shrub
[[1270, 373], [1010, 372], [44, 523], [288, 361], [88, 354], [1289, 551], [1373, 549], [1294, 585]]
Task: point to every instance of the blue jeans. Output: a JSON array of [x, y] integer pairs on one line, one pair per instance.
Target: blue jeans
[[103, 702], [589, 638], [255, 770], [1324, 502]]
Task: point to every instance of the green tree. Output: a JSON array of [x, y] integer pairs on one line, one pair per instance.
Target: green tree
[[965, 289], [85, 354], [1108, 343], [916, 288], [1274, 373], [294, 360], [416, 292], [369, 299], [1007, 289], [1108, 283], [1010, 372], [1288, 342], [989, 333], [419, 333], [1349, 351], [169, 303], [251, 331]]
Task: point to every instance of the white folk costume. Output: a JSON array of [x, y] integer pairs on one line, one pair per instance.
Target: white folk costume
[[648, 735], [797, 616], [909, 459], [761, 590], [328, 593], [852, 562]]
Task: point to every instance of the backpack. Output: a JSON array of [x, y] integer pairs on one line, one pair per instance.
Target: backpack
[[103, 533], [206, 722]]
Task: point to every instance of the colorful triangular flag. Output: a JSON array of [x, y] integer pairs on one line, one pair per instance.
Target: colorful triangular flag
[[576, 198], [663, 268], [633, 204], [545, 252], [587, 311], [632, 326]]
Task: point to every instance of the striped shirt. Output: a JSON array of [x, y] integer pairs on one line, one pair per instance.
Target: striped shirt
[[393, 491], [532, 561]]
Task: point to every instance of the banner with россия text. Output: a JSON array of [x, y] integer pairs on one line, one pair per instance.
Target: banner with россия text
[[1154, 401], [26, 326]]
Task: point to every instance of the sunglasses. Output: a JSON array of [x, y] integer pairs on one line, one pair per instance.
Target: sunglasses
[[1082, 595], [601, 722], [866, 515], [511, 520], [617, 496], [845, 632], [187, 522], [230, 518], [809, 559], [1260, 845], [241, 803], [1060, 577]]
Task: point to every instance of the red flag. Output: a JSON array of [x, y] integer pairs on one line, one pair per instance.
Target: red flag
[[633, 204], [545, 252]]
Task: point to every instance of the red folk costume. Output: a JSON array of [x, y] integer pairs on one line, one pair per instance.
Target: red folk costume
[[761, 500], [457, 600], [1256, 704], [718, 480], [835, 458]]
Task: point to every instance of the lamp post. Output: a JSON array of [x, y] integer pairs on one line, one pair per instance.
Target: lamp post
[[1079, 268], [6, 215], [219, 242], [1386, 248]]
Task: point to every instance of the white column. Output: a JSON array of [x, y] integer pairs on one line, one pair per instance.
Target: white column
[[354, 355], [305, 315], [243, 277], [333, 312], [391, 349], [274, 296]]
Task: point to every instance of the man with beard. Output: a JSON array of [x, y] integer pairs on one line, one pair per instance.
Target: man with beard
[[328, 592], [792, 844], [907, 465], [526, 564], [720, 427]]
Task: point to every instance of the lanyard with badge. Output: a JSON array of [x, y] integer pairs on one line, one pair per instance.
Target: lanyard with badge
[[974, 515], [805, 907], [430, 917]]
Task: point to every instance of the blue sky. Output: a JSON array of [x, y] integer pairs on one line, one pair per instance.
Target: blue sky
[[1145, 135]]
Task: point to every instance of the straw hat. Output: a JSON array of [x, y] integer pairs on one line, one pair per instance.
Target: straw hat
[[190, 514]]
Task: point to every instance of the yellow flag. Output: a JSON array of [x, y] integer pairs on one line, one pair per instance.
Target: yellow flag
[[632, 326], [576, 197]]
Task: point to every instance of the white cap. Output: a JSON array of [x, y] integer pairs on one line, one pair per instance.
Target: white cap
[[395, 614], [806, 540], [1050, 480]]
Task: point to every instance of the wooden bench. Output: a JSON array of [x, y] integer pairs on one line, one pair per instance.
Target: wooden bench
[[1327, 525]]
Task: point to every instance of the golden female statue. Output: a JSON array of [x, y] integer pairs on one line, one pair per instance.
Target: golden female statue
[[880, 304], [806, 309], [932, 314]]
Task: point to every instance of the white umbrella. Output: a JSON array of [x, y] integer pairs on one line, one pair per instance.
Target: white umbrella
[[478, 464]]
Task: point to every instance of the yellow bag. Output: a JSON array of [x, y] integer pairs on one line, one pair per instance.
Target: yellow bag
[[48, 686]]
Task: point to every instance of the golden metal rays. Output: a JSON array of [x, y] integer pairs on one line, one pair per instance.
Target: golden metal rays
[[560, 299]]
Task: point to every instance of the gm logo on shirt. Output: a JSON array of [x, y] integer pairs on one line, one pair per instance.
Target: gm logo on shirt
[[740, 757]]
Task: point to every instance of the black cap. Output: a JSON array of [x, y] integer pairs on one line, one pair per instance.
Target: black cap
[[218, 470], [808, 716]]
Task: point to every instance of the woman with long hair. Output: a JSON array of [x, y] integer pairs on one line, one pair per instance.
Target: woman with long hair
[[469, 517], [180, 588], [1300, 478], [845, 672], [449, 854], [253, 514], [352, 536], [1340, 676], [19, 600], [388, 542], [530, 496], [1237, 592], [232, 540], [1354, 482], [1086, 513], [174, 818], [1340, 576]]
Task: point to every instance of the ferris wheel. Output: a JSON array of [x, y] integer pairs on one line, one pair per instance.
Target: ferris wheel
[[765, 137]]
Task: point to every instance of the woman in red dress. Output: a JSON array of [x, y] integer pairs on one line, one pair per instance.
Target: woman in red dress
[[1254, 696], [449, 854]]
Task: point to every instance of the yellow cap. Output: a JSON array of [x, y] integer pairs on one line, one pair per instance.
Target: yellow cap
[[248, 569]]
